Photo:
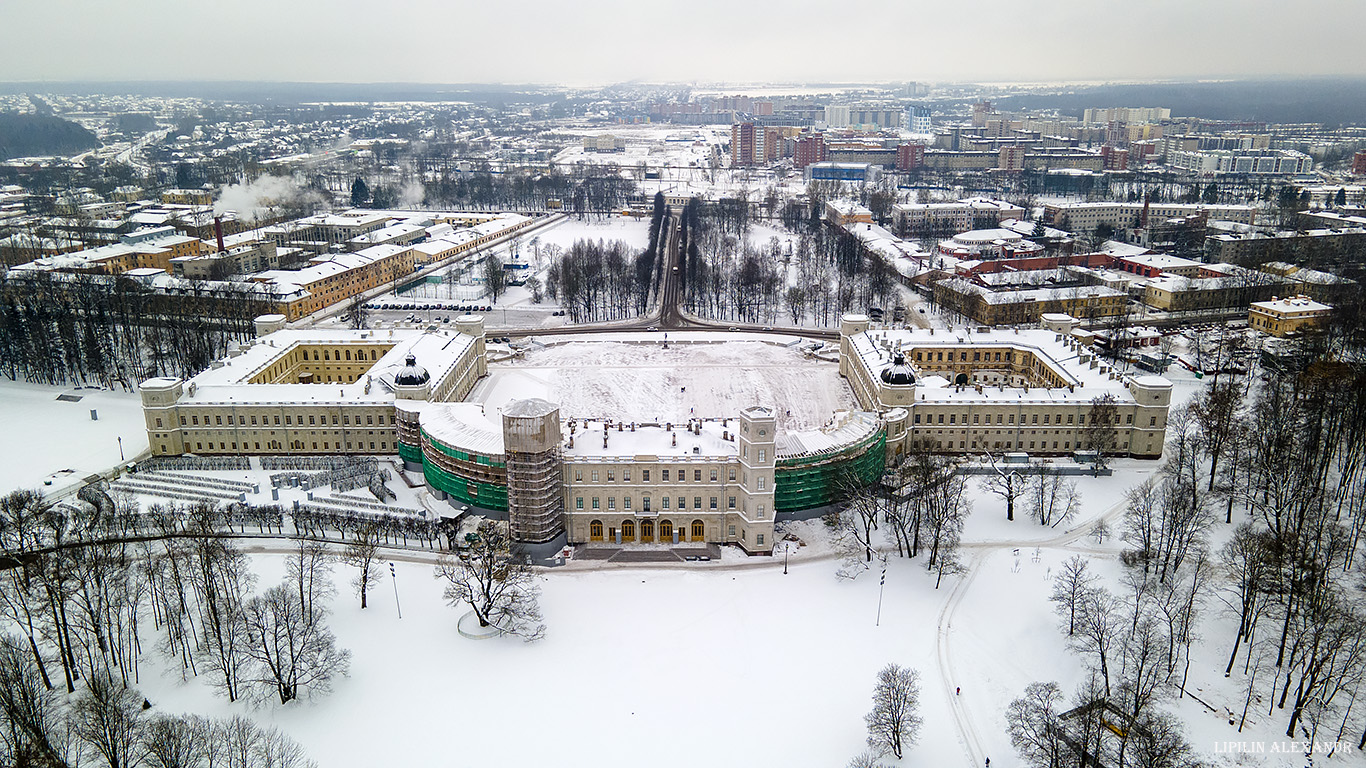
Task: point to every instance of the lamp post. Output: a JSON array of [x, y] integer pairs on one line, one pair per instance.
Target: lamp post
[[393, 576], [120, 439], [787, 549]]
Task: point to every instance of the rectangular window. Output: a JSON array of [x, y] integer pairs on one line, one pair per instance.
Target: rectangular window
[[182, 421], [645, 475], [941, 418], [626, 475], [713, 503], [732, 474], [682, 503], [697, 502], [762, 455], [761, 511], [611, 475], [761, 482], [595, 503], [1152, 421], [697, 475], [665, 474], [917, 418], [1036, 418], [578, 502], [1129, 419], [730, 502], [195, 419], [595, 475], [713, 475], [218, 420], [975, 417], [732, 530], [611, 502], [578, 475], [760, 539], [664, 501], [1069, 418], [626, 503]]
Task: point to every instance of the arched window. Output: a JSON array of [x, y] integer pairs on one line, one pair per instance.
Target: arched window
[[348, 354], [595, 530], [666, 530], [699, 531], [374, 355], [628, 530], [325, 357], [647, 530]]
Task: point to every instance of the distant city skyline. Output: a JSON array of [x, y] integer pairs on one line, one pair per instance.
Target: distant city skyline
[[593, 43]]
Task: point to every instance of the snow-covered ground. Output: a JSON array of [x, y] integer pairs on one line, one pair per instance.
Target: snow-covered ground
[[734, 658], [646, 382], [630, 230], [51, 439]]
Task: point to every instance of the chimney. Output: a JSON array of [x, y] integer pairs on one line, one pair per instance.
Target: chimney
[[218, 232]]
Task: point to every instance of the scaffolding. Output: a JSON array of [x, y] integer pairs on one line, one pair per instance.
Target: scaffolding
[[531, 441], [815, 480]]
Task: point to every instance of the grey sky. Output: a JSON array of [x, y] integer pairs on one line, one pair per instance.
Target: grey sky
[[597, 41]]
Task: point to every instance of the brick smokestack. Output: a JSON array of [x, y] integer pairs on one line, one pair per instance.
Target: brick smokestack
[[218, 232]]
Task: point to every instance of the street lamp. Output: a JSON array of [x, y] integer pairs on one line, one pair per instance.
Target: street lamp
[[393, 576], [787, 549]]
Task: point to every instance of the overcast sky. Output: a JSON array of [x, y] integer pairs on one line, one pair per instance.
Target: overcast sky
[[596, 41]]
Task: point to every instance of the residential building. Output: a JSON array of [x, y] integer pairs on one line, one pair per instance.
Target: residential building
[[1292, 316]]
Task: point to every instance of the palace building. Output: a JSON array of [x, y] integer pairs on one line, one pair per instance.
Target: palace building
[[585, 478]]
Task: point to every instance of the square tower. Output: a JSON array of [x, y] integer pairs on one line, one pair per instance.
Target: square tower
[[757, 442]]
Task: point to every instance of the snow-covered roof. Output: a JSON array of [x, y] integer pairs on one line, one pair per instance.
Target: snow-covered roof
[[875, 349], [651, 441], [438, 351]]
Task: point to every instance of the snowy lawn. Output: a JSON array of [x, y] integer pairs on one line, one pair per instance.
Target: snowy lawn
[[47, 436]]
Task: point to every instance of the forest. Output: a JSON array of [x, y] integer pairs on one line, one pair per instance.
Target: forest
[[33, 135]]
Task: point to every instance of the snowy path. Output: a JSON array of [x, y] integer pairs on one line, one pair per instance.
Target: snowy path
[[981, 551]]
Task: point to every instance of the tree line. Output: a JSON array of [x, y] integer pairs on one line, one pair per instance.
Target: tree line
[[93, 329]]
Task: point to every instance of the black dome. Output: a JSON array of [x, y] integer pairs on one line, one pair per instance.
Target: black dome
[[411, 374], [899, 373]]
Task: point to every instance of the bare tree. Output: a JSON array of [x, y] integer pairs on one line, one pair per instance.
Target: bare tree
[[107, 719], [500, 590], [362, 553], [1097, 629], [1099, 433], [309, 570], [1070, 587], [1006, 483], [1034, 727], [177, 742], [292, 652], [894, 720], [31, 728], [1052, 499]]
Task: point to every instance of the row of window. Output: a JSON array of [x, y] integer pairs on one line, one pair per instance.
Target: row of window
[[666, 475], [1014, 445], [1010, 419], [289, 420], [297, 445], [664, 503]]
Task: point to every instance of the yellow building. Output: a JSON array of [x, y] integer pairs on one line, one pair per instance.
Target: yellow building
[[1288, 317]]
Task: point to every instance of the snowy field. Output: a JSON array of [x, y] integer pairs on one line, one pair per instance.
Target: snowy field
[[634, 232], [594, 379], [51, 439], [750, 664]]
